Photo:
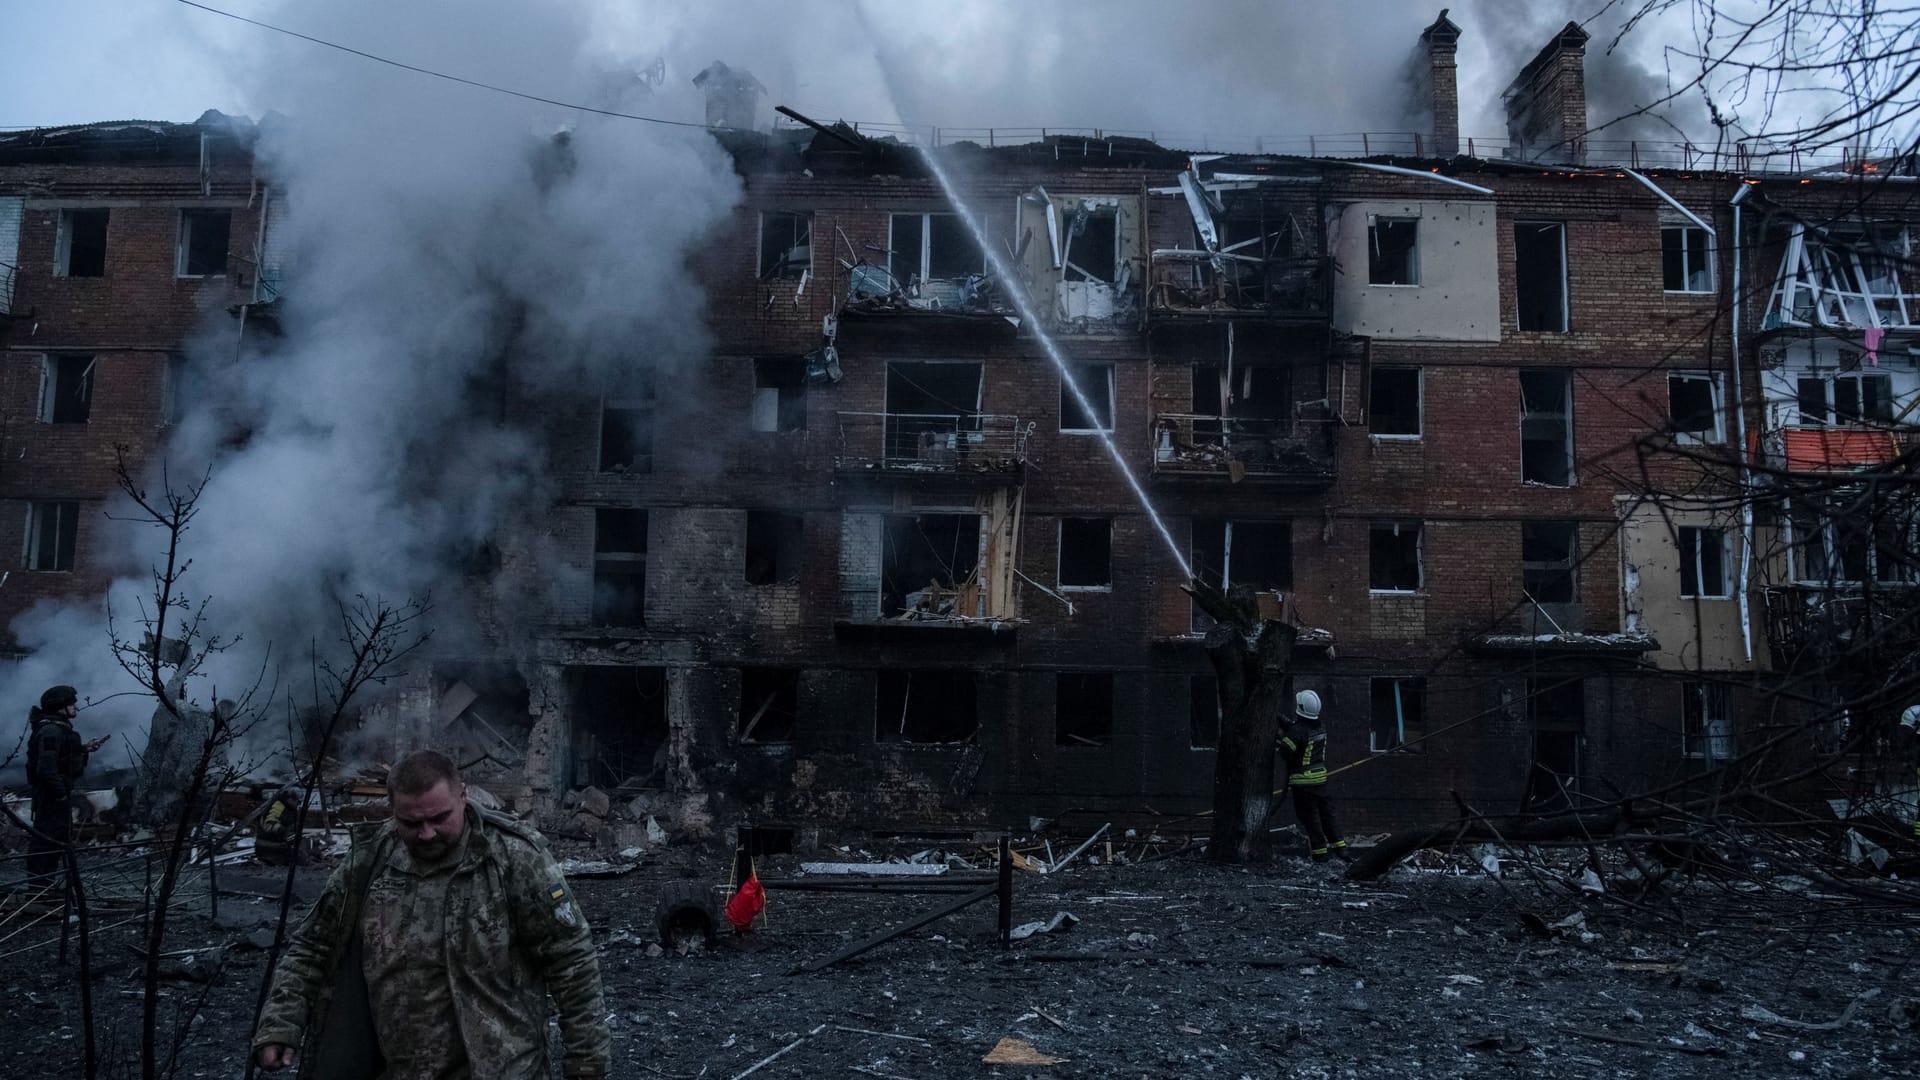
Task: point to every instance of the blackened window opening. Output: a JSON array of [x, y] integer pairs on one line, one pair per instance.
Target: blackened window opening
[[1083, 709], [1686, 263], [66, 388], [779, 394], [1258, 554], [1546, 428], [1086, 553], [1096, 382], [924, 559], [1399, 708], [926, 707], [1393, 402], [786, 244], [619, 567], [83, 243], [1393, 550], [1393, 251], [626, 429], [203, 242], [769, 704], [52, 530], [1692, 406], [1540, 275], [1549, 551], [773, 547], [1092, 246], [619, 720], [1703, 570]]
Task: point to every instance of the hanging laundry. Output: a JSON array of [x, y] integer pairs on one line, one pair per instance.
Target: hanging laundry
[[1872, 344]]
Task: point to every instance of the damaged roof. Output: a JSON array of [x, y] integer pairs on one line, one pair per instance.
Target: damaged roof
[[130, 141]]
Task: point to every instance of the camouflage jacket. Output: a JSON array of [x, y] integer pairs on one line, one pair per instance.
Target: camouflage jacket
[[512, 935], [56, 755]]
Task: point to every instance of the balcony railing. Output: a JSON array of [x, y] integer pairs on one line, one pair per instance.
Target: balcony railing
[[1237, 448], [6, 289], [931, 442], [1288, 288]]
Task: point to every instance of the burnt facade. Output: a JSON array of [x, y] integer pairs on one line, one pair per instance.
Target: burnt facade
[[1481, 428]]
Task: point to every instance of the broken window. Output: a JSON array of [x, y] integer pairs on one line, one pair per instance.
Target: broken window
[[1083, 709], [779, 395], [926, 707], [1086, 553], [1845, 279], [1686, 259], [769, 704], [1844, 545], [786, 243], [1393, 251], [1092, 244], [1546, 428], [924, 560], [52, 529], [202, 248], [1540, 275], [626, 429], [1394, 556], [773, 547], [932, 409], [1549, 553], [1203, 712], [1703, 563], [1556, 714], [931, 247], [1848, 399], [1393, 403], [1399, 712], [618, 717], [1258, 554], [1693, 405], [1096, 383], [80, 248], [619, 567], [66, 388], [1706, 722]]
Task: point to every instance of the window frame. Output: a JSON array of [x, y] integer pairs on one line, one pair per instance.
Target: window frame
[[1718, 435], [1565, 416], [1570, 566], [924, 271], [762, 272], [50, 368], [786, 381], [1419, 403], [1374, 221], [1395, 528], [619, 563], [63, 240], [1079, 371], [1690, 558], [66, 525], [1419, 684], [183, 242], [1702, 703], [1060, 556], [1707, 240], [1566, 289]]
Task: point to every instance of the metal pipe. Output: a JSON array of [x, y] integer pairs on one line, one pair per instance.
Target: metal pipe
[[1740, 436], [1671, 201], [1476, 188]]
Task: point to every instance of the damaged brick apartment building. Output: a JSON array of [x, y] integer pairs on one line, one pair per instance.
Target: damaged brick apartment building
[[1480, 419]]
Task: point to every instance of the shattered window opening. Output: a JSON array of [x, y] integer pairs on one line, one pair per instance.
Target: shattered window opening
[[1092, 244], [1393, 251], [1086, 554], [1096, 382], [1706, 721], [779, 394], [773, 547], [1703, 563], [1686, 259], [1546, 428], [1844, 278], [1556, 715], [1394, 557], [1549, 555], [928, 566], [931, 247], [1394, 403], [619, 567], [203, 240], [620, 735], [769, 704], [626, 429], [1540, 275], [926, 707], [1203, 712], [1399, 708], [1083, 709], [80, 247], [483, 710], [1693, 406], [1257, 554], [1835, 544], [52, 531], [786, 243], [66, 388]]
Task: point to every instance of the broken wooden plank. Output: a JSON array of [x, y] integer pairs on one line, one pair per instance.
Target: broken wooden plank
[[876, 869]]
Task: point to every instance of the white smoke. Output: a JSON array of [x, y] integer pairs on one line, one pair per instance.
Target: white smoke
[[439, 236]]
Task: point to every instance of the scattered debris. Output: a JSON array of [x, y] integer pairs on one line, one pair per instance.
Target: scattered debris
[[1010, 1051], [1063, 920]]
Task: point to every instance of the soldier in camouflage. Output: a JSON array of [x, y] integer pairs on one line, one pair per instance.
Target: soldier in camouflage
[[460, 926]]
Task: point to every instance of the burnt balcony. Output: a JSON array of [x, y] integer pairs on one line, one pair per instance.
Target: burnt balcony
[[931, 443], [1286, 289], [1282, 452]]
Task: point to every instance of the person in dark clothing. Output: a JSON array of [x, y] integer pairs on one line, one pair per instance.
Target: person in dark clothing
[[1304, 744], [56, 757]]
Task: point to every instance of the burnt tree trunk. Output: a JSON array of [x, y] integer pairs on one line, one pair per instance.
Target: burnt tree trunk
[[1249, 657]]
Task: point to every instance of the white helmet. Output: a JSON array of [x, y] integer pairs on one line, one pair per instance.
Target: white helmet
[[1306, 705], [1910, 719]]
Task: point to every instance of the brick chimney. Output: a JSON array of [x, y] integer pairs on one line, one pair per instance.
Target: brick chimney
[[733, 96], [1547, 102], [1441, 87]]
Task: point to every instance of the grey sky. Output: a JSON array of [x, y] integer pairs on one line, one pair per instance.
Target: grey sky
[[1232, 67]]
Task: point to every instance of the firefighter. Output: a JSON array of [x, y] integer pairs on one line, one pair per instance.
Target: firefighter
[[1910, 743], [1304, 743]]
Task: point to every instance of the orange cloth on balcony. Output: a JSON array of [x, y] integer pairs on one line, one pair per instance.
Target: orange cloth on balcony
[[1837, 449]]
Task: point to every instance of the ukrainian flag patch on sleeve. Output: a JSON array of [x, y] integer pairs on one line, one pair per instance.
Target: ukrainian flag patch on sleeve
[[558, 891]]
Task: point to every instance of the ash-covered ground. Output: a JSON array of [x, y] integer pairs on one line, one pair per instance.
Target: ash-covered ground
[[1174, 969]]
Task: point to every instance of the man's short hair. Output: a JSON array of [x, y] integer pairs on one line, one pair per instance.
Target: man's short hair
[[418, 772]]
